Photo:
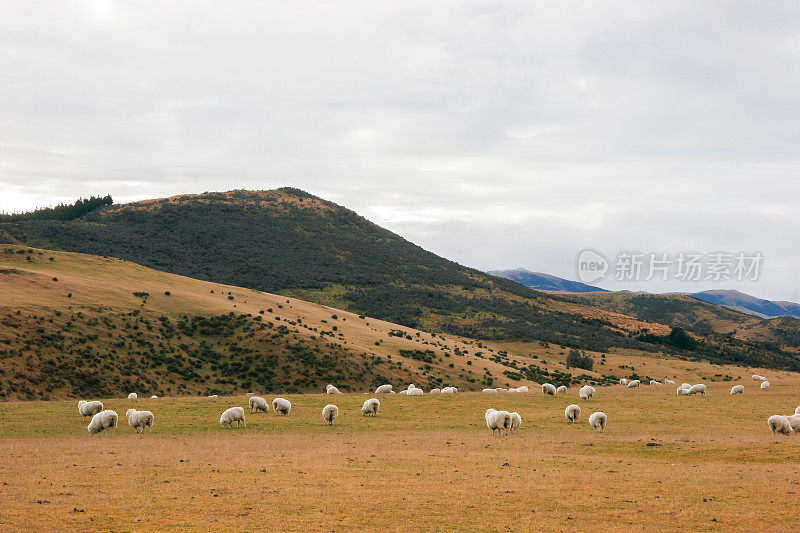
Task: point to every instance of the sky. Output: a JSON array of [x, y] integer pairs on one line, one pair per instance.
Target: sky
[[496, 134]]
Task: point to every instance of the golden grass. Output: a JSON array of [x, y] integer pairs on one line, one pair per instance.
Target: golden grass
[[424, 463]]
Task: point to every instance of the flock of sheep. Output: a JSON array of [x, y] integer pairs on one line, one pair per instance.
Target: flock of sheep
[[503, 422]]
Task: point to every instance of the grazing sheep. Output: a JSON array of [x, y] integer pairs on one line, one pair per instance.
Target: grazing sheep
[[103, 420], [89, 408], [683, 392], [153, 397], [488, 390], [654, 382], [213, 396], [498, 420], [778, 424], [403, 392], [132, 396], [281, 406], [697, 389], [383, 389], [523, 389], [499, 389], [598, 421], [258, 404], [586, 392], [737, 389], [668, 381], [330, 389], [229, 416], [516, 421], [634, 383], [561, 389], [370, 407], [414, 392], [140, 420], [623, 381], [548, 389], [572, 412], [685, 386], [448, 390], [329, 413], [765, 385], [435, 391], [756, 377], [794, 421]]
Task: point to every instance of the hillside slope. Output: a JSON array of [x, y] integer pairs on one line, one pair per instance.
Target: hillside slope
[[76, 324], [290, 242]]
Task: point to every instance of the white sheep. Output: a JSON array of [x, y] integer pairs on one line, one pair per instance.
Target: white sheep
[[634, 383], [794, 421], [797, 411], [281, 406], [737, 389], [403, 392], [668, 381], [516, 422], [488, 390], [414, 392], [370, 407], [548, 389], [586, 392], [435, 391], [229, 416], [572, 413], [140, 420], [153, 397], [756, 377], [686, 386], [697, 389], [598, 421], [448, 390], [383, 389], [654, 382], [211, 397], [523, 388], [683, 392], [329, 413], [132, 396], [330, 389], [257, 404], [562, 389], [623, 381], [500, 389], [498, 420], [765, 385], [89, 408], [103, 420], [780, 424]]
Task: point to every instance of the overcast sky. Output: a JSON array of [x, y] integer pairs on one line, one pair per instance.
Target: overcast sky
[[497, 134]]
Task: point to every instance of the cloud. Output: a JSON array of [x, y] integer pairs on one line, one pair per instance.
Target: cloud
[[498, 135]]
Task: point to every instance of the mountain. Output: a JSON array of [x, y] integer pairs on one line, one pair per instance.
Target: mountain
[[544, 282], [749, 304], [290, 243]]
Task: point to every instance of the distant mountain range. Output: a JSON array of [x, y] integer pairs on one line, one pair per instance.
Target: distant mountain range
[[745, 303], [732, 299], [543, 282]]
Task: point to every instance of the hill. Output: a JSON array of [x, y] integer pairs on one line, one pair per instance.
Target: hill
[[290, 243], [745, 303], [543, 282]]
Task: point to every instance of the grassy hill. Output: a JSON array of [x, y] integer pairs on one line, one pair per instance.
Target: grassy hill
[[291, 243]]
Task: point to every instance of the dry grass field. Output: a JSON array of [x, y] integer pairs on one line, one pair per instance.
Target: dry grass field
[[424, 463]]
